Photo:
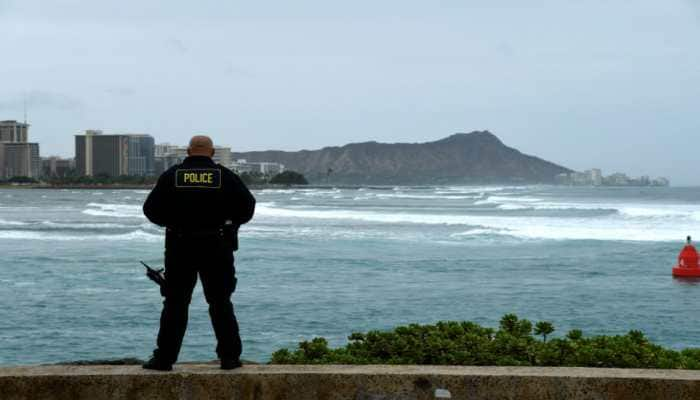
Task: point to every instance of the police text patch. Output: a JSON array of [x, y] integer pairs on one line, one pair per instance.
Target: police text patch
[[208, 178]]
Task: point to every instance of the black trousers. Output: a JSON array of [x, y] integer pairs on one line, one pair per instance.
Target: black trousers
[[212, 260]]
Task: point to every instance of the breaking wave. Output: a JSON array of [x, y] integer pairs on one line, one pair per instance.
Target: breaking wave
[[137, 235], [4, 222], [114, 210], [615, 226]]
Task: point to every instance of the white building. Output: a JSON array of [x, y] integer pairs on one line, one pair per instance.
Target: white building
[[265, 168]]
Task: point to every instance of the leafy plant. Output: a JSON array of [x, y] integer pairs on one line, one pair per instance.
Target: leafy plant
[[467, 343], [544, 328], [289, 178]]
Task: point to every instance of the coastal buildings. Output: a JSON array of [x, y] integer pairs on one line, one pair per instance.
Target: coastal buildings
[[18, 157], [167, 155], [57, 167], [594, 177], [114, 155]]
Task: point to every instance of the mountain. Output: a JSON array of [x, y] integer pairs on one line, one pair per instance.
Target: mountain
[[463, 158]]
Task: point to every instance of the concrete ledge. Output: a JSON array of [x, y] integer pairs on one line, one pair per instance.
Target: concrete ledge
[[373, 382]]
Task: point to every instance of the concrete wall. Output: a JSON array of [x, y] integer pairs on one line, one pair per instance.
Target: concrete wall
[[263, 382]]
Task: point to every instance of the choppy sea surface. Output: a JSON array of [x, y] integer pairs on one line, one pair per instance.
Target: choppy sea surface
[[328, 262]]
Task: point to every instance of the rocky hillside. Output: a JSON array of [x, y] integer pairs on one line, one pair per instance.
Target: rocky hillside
[[476, 157]]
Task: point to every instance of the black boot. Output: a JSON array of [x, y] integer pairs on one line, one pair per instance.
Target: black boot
[[158, 365], [229, 363]]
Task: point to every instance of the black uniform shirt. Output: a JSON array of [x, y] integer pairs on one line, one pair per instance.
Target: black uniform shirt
[[199, 195]]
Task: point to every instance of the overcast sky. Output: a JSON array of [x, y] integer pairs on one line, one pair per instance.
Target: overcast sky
[[610, 84]]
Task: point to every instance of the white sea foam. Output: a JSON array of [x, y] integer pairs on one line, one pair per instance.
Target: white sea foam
[[656, 212], [137, 235], [504, 200], [12, 223], [477, 232], [271, 211], [86, 225], [551, 206], [633, 211], [608, 227], [284, 191], [114, 210], [475, 189], [319, 193], [424, 196], [511, 207], [313, 232]]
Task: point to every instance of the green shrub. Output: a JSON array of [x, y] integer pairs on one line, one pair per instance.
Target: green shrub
[[289, 178], [513, 344], [253, 178]]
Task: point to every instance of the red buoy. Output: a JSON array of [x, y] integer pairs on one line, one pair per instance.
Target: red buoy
[[687, 262]]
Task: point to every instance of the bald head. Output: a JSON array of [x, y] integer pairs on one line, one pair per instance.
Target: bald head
[[201, 146]]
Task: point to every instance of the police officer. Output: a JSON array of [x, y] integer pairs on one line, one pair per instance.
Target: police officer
[[201, 204]]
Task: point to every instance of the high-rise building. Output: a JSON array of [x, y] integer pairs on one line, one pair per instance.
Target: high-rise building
[[140, 154], [114, 155], [17, 156], [19, 159], [13, 131]]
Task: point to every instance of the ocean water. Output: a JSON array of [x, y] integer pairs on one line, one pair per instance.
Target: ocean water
[[328, 262]]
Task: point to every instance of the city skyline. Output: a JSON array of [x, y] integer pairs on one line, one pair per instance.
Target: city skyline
[[177, 152], [619, 93], [643, 173]]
